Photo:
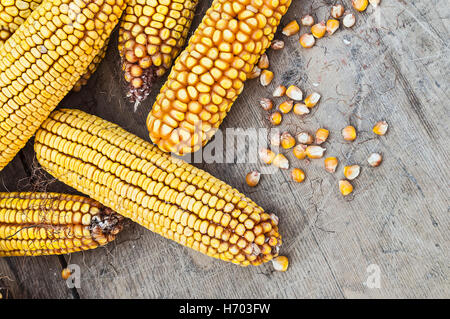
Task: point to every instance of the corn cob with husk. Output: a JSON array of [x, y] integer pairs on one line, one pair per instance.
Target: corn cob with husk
[[33, 224], [160, 192], [151, 35], [210, 73], [13, 14], [42, 61]]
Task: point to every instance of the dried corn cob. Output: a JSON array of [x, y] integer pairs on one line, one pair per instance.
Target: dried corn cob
[[33, 224], [162, 193], [42, 61], [151, 35], [209, 74]]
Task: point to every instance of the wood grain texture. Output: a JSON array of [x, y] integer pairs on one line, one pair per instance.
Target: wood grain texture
[[393, 65]]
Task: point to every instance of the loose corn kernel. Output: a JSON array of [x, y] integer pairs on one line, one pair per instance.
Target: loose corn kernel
[[352, 171], [266, 104], [318, 30], [332, 26], [337, 11], [375, 3], [280, 263], [263, 62], [287, 140], [360, 5], [330, 164], [345, 187], [275, 138], [307, 40], [277, 45], [280, 161], [307, 20], [297, 175], [294, 93], [312, 99], [266, 77], [275, 118], [349, 20], [349, 133], [65, 273], [279, 91], [305, 138], [301, 109], [375, 159], [252, 178], [254, 73], [266, 155], [380, 128], [321, 135], [291, 28], [300, 151], [286, 106], [314, 151]]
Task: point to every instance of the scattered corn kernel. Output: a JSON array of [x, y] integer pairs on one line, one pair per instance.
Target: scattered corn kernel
[[275, 118], [280, 161], [352, 171], [300, 151], [263, 62], [375, 3], [287, 140], [337, 11], [266, 77], [256, 72], [294, 93], [312, 99], [349, 20], [297, 175], [318, 30], [332, 26], [349, 133], [266, 104], [305, 138], [280, 263], [252, 178], [277, 44], [65, 273], [275, 138], [280, 90], [286, 106], [360, 5], [301, 109], [380, 128], [345, 187], [315, 151], [321, 135], [330, 164], [266, 155], [307, 40], [307, 20], [291, 28], [375, 159]]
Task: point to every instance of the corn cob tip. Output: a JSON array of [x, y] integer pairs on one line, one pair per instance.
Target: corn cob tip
[[138, 88], [106, 223]]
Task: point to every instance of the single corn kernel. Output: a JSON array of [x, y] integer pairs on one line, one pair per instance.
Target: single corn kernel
[[312, 99], [305, 138], [277, 44], [321, 135], [349, 133], [294, 93], [318, 30], [360, 5], [266, 77], [286, 106], [275, 118], [315, 151], [297, 175], [307, 20], [266, 155], [307, 40], [254, 73], [280, 161], [287, 140], [291, 28], [300, 151], [266, 104], [375, 159], [279, 91], [345, 187], [337, 11], [375, 3], [263, 62], [349, 20], [252, 178], [352, 171], [280, 263], [65, 273], [332, 26], [301, 109], [275, 138], [380, 128], [330, 164]]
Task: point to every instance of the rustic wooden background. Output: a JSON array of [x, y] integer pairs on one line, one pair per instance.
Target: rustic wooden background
[[392, 65]]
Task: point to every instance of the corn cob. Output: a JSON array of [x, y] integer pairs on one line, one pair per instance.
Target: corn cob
[[162, 193], [209, 74], [42, 61], [33, 224], [151, 35]]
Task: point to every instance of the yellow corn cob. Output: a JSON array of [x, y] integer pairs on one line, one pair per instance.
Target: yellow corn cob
[[151, 35], [162, 193], [209, 74], [33, 224], [42, 61]]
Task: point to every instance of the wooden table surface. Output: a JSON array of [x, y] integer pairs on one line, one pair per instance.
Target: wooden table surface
[[394, 66]]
